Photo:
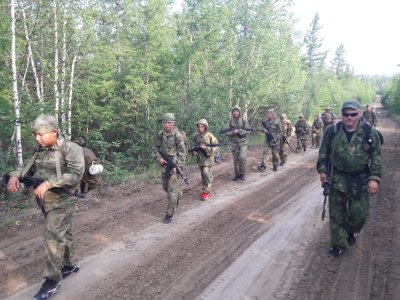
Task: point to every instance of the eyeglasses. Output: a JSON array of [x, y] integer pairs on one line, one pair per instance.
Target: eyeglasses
[[353, 115]]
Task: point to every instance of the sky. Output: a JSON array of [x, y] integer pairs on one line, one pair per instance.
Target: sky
[[369, 31]]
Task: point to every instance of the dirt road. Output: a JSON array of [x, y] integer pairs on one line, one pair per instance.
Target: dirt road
[[261, 239]]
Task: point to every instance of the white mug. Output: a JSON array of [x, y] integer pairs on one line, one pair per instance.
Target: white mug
[[96, 169]]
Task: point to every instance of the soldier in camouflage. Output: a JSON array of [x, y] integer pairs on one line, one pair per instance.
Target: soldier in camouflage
[[316, 131], [369, 116], [302, 130], [356, 173], [205, 156], [58, 170], [170, 141], [328, 117], [238, 138], [286, 136], [273, 136]]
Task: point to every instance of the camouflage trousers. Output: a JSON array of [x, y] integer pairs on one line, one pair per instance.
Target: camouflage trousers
[[239, 159], [283, 151], [59, 240], [270, 150], [301, 144], [316, 140], [171, 186], [347, 213], [206, 178]]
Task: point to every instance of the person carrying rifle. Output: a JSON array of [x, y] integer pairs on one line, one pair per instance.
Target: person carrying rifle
[[238, 138], [286, 135], [316, 131], [356, 173], [302, 130], [273, 135], [58, 170], [205, 156], [170, 142]]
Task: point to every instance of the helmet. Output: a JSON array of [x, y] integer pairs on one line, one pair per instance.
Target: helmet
[[44, 123], [202, 122], [169, 117]]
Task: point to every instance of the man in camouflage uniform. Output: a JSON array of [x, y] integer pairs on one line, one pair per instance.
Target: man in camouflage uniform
[[286, 136], [237, 133], [328, 117], [356, 172], [369, 116], [302, 130], [316, 130], [58, 170], [273, 135], [205, 156], [170, 141]]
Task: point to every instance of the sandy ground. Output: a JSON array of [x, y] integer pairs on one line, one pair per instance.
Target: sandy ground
[[259, 239]]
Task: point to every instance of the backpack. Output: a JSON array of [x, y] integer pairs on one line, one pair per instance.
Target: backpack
[[367, 129]]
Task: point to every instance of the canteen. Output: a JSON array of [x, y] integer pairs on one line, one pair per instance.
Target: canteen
[[96, 169]]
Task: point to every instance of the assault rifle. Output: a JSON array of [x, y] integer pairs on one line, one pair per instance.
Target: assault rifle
[[270, 135], [222, 131], [171, 165], [197, 149], [34, 182], [327, 185]]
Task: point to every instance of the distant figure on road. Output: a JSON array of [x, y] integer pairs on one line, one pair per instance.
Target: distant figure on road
[[302, 130], [316, 131], [328, 117], [205, 156], [369, 116], [286, 136], [238, 137], [170, 141], [356, 170]]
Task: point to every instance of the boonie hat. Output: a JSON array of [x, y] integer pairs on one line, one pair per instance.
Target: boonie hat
[[351, 104], [44, 124]]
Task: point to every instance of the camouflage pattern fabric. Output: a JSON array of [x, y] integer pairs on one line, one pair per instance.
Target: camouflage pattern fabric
[[173, 144], [353, 167], [205, 160], [58, 207], [302, 133], [287, 133], [267, 152], [370, 117], [317, 131], [239, 159]]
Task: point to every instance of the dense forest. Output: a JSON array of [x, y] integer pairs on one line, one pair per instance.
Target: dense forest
[[109, 70]]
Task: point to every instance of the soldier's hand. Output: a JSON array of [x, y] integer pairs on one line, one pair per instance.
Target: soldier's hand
[[236, 131], [194, 153], [373, 187], [174, 171], [322, 177], [203, 147], [41, 189], [162, 161], [266, 131], [13, 184]]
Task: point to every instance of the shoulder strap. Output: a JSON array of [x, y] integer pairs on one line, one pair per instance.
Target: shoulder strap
[[29, 165]]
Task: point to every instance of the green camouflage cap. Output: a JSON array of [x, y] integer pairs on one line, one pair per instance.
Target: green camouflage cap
[[351, 104], [169, 117], [44, 124]]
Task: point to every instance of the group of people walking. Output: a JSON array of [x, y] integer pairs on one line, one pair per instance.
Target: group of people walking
[[349, 160]]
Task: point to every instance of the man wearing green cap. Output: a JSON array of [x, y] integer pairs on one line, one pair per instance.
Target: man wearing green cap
[[170, 141], [353, 159], [61, 164]]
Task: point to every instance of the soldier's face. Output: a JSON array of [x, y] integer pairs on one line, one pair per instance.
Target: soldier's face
[[350, 117], [236, 113], [47, 139], [168, 126], [201, 128]]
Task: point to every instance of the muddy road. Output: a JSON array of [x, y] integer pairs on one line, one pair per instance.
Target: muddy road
[[259, 239]]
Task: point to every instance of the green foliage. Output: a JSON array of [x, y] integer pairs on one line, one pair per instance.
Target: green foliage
[[392, 95]]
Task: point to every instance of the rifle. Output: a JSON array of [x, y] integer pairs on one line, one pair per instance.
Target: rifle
[[171, 165], [326, 185], [197, 149], [287, 142], [269, 133], [30, 181], [222, 131]]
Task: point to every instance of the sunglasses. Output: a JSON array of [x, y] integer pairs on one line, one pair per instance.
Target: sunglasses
[[353, 115]]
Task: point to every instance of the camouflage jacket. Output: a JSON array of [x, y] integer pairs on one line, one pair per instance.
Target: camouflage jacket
[[350, 159], [302, 130], [275, 129], [317, 127], [173, 144], [72, 165], [205, 158], [239, 139], [287, 128], [370, 117]]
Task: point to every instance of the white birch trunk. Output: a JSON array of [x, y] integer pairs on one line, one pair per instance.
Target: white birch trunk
[[30, 54], [15, 87], [63, 72], [56, 95], [71, 86]]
